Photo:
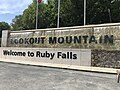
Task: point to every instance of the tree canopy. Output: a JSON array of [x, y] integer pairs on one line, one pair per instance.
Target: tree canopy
[[3, 26], [71, 14]]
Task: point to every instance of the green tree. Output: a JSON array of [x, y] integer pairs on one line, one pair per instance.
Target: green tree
[[71, 14], [3, 26], [28, 19], [98, 11], [103, 11], [115, 11], [17, 23]]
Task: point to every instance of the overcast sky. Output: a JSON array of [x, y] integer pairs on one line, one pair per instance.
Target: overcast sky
[[10, 8]]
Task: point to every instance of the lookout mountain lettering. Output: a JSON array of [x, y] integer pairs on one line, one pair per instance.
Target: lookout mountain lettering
[[106, 39]]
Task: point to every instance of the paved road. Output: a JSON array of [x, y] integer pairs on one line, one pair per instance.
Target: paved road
[[22, 77]]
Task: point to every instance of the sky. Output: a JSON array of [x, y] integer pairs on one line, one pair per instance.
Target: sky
[[10, 8]]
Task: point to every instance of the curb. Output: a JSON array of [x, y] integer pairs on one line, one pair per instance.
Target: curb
[[62, 66]]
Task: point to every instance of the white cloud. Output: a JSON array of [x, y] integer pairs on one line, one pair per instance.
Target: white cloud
[[13, 6], [10, 8]]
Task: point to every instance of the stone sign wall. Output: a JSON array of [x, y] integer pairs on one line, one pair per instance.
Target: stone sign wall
[[92, 45], [105, 58]]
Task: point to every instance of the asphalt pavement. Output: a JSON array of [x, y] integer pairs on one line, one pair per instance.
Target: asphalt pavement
[[24, 77]]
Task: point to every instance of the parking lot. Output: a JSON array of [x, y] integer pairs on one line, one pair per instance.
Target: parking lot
[[24, 77]]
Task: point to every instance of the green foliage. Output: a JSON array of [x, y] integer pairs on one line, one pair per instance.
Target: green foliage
[[3, 26], [71, 14], [28, 19], [17, 23], [99, 11]]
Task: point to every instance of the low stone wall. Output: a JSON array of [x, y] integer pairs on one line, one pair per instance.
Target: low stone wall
[[105, 58]]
